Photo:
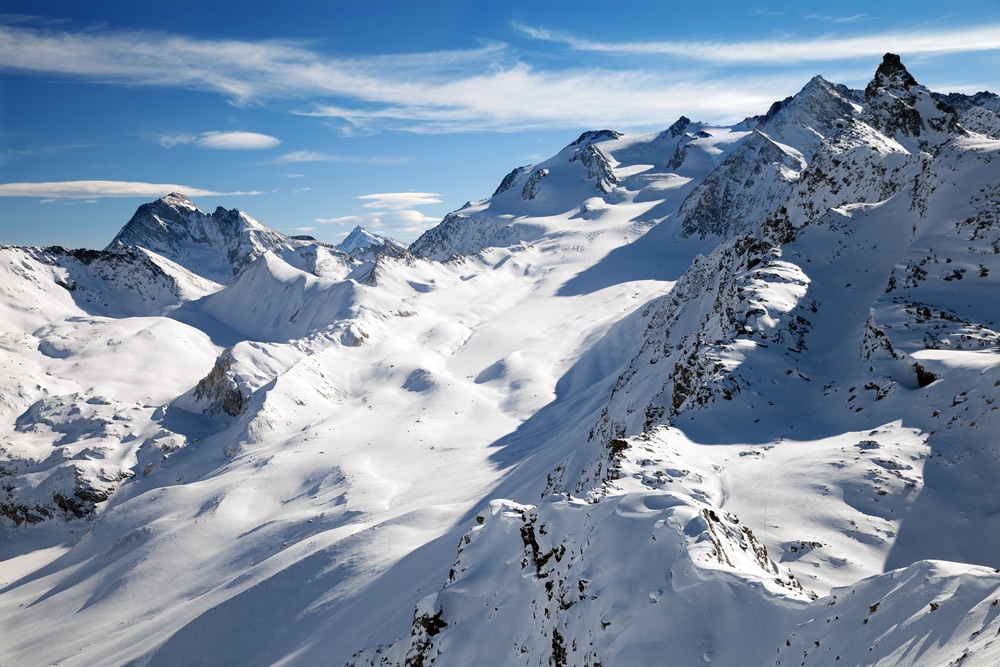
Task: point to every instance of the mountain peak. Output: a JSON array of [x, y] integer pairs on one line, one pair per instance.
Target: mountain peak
[[678, 128], [216, 246], [176, 199], [907, 111], [891, 74], [364, 245], [357, 236]]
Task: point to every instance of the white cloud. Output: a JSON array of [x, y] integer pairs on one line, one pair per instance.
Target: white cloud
[[398, 222], [171, 140], [829, 18], [344, 220], [236, 141], [485, 89], [230, 141], [522, 98], [241, 70], [400, 200], [787, 51], [304, 156], [100, 189]]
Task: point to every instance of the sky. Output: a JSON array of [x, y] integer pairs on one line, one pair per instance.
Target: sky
[[315, 117]]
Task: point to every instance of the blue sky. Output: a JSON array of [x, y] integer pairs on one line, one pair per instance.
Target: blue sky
[[317, 116]]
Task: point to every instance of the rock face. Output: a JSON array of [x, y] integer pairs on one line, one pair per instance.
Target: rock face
[[599, 168], [220, 390]]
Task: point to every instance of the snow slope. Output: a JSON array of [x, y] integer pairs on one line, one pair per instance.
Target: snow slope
[[725, 395]]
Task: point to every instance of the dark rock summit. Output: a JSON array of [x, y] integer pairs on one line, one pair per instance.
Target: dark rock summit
[[907, 111]]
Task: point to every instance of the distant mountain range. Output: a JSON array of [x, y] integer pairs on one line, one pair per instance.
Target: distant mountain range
[[715, 395]]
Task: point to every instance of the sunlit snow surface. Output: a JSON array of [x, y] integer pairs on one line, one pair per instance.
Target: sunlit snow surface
[[562, 431]]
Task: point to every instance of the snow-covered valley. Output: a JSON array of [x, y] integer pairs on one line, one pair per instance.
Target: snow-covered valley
[[723, 395]]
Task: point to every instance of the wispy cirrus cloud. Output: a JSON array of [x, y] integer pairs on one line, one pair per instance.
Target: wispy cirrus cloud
[[398, 216], [100, 189], [491, 88], [229, 141], [785, 51], [238, 69], [397, 223], [832, 18], [520, 97], [295, 157], [31, 19], [399, 200]]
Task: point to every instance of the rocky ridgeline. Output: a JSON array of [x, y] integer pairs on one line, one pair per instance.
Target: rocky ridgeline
[[765, 167]]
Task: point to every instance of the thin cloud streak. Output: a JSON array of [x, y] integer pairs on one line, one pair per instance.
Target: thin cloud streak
[[403, 222], [400, 200], [521, 98], [101, 189], [488, 89], [854, 18], [296, 157], [783, 52], [241, 70]]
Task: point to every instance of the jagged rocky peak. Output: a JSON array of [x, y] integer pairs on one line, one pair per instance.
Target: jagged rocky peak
[[363, 244], [891, 74], [810, 115], [359, 238], [678, 128], [155, 220], [907, 111], [216, 246], [741, 191], [176, 219]]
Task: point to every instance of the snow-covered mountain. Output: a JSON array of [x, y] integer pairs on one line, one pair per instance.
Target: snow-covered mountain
[[717, 395], [221, 245], [366, 246]]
